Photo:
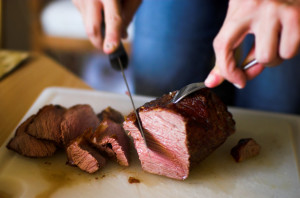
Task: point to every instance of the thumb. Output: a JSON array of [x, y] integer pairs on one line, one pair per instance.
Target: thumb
[[214, 78]]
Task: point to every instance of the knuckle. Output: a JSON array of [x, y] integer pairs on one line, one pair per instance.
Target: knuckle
[[115, 18], [219, 44], [92, 31]]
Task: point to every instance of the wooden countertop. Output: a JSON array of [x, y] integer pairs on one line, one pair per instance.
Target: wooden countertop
[[19, 90]]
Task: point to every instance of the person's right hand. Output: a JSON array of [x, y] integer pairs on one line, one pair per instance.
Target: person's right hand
[[117, 14]]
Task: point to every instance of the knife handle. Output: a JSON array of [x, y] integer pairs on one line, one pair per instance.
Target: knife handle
[[118, 55]]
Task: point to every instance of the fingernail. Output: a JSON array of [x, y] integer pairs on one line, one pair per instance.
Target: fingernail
[[110, 46], [238, 86]]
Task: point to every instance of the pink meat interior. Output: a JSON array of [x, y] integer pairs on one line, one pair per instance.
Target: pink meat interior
[[166, 139]]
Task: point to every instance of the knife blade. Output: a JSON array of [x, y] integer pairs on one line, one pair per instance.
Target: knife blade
[[119, 61], [132, 102]]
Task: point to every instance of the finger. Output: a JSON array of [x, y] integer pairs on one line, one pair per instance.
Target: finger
[[290, 34], [92, 19], [228, 39], [214, 78], [266, 38], [113, 23]]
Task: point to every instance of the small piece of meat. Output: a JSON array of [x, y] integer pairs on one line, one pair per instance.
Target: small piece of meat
[[133, 180], [81, 154], [76, 120], [112, 114], [28, 145], [111, 138], [179, 135], [245, 149], [46, 123]]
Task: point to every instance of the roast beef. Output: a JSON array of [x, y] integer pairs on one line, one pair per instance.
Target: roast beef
[[29, 146], [76, 120], [46, 124], [111, 114], [81, 154], [179, 135], [111, 138], [246, 148]]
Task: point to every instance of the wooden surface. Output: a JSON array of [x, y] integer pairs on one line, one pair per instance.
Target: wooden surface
[[19, 90]]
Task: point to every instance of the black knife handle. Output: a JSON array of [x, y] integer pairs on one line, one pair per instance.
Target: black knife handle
[[118, 54]]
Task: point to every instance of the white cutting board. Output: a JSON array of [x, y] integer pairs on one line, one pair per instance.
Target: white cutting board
[[274, 173]]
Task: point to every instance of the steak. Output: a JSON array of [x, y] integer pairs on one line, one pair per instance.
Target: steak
[[246, 148], [179, 135], [29, 146], [76, 120], [46, 124], [111, 114], [81, 154], [111, 138]]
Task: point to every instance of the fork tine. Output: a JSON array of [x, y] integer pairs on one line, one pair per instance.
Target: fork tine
[[186, 90]]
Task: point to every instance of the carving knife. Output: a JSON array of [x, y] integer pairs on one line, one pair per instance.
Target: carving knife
[[119, 61]]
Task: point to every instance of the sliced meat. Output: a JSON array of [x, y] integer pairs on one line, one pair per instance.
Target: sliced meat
[[112, 114], [133, 180], [111, 138], [29, 146], [179, 135], [81, 154], [46, 124], [246, 148], [76, 120]]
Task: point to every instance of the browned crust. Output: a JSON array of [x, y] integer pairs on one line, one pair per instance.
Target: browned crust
[[246, 148], [28, 145], [208, 121]]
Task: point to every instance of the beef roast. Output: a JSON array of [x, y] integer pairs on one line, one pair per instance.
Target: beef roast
[[46, 124], [111, 114], [76, 120], [29, 146], [111, 138], [246, 148], [179, 135], [83, 155]]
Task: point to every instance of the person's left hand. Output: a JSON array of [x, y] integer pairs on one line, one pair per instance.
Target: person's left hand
[[276, 26]]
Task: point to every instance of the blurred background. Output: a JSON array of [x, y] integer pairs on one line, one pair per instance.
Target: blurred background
[[55, 28]]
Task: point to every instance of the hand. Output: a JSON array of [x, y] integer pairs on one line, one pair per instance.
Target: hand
[[276, 26], [117, 14]]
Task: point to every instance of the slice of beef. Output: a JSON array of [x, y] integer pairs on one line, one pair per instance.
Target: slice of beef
[[46, 124], [179, 135], [80, 153], [29, 146], [111, 138], [246, 148], [112, 114], [76, 120]]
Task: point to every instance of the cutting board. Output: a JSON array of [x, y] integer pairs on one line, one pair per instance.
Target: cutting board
[[273, 173]]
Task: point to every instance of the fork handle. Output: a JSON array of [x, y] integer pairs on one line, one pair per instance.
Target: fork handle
[[250, 64]]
